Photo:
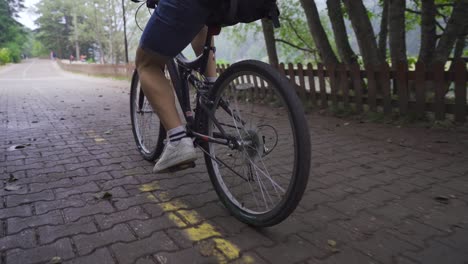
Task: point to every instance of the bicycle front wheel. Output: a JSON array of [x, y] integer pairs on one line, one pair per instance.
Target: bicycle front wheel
[[147, 129], [262, 176]]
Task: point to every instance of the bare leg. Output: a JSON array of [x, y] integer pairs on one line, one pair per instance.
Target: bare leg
[[157, 88], [198, 44]]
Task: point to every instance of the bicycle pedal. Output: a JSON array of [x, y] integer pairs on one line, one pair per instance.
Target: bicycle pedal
[[180, 167]]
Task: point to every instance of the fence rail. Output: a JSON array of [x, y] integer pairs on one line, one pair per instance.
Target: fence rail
[[382, 89]]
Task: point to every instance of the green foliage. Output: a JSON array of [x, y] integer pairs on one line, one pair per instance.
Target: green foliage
[[38, 50], [5, 56], [13, 36]]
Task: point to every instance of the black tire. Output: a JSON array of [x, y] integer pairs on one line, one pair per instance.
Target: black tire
[[254, 154], [149, 141]]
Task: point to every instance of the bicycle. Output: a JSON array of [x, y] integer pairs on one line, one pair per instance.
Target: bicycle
[[259, 168]]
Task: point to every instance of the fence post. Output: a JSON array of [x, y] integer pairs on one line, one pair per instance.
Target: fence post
[[372, 89], [460, 91], [292, 77], [310, 75], [302, 88], [323, 89], [333, 83], [385, 82], [344, 84], [358, 86], [439, 99], [420, 80], [402, 85]]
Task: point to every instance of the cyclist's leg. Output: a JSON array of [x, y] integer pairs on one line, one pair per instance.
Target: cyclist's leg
[[198, 44], [171, 28]]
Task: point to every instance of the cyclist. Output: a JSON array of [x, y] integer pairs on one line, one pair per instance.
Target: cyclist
[[173, 25]]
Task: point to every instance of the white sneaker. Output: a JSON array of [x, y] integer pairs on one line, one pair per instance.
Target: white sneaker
[[176, 153]]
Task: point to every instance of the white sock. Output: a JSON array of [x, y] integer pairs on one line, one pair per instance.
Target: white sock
[[211, 79], [176, 134]]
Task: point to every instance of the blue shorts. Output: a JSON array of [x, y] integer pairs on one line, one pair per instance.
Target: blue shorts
[[173, 26]]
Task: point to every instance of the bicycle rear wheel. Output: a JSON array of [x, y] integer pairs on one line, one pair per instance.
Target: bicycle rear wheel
[[147, 129], [262, 177]]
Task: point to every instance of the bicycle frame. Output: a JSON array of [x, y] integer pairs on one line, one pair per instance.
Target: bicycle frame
[[184, 68]]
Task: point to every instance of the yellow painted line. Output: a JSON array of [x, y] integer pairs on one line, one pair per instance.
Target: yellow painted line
[[92, 134], [223, 250]]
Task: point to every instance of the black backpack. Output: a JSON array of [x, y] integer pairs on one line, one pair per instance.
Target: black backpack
[[231, 12]]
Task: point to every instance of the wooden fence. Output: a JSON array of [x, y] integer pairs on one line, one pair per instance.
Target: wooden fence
[[420, 91]]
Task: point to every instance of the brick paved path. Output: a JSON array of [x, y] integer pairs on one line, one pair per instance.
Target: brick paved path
[[377, 194]]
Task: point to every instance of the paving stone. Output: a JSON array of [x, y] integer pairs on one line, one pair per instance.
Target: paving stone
[[43, 207], [129, 180], [394, 212], [91, 163], [87, 243], [62, 249], [145, 260], [351, 205], [37, 187], [25, 239], [49, 233], [18, 211], [129, 252], [144, 228], [293, 250], [106, 221], [458, 239], [125, 203], [377, 196], [190, 255], [14, 200], [438, 253], [346, 255], [101, 256], [365, 223], [65, 192], [17, 224], [72, 214], [384, 247], [104, 176]]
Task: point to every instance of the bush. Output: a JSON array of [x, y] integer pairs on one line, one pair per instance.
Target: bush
[[5, 56]]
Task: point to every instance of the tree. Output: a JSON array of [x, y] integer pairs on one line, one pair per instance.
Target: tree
[[345, 51], [360, 21], [383, 34], [455, 28], [318, 33], [397, 31], [270, 42], [428, 31]]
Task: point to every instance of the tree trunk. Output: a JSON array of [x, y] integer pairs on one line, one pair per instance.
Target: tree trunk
[[383, 35], [428, 31], [269, 34], [318, 33], [455, 27], [335, 13], [75, 29], [460, 46], [364, 33], [397, 32]]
